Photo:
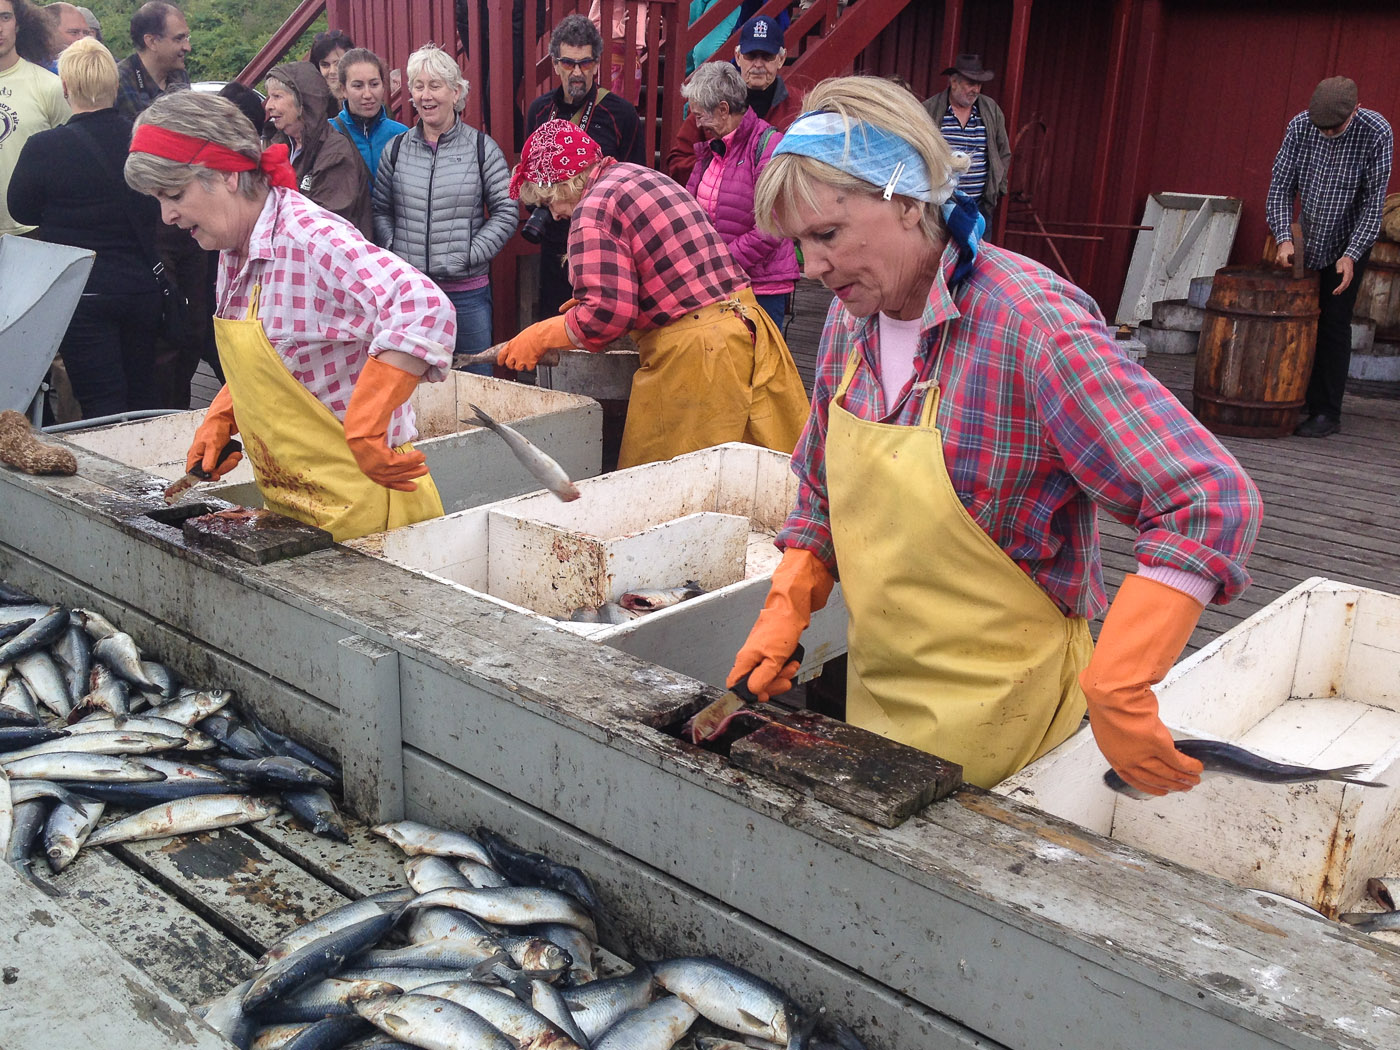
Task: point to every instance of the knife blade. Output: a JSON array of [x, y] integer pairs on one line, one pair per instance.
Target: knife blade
[[198, 473], [711, 719]]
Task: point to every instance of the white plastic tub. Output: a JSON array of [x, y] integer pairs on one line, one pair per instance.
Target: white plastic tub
[[1311, 679], [709, 516], [470, 465]]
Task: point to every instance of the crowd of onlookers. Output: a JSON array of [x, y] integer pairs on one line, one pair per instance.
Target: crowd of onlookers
[[436, 194]]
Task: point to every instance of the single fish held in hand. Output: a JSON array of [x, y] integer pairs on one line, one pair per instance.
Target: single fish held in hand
[[645, 601], [1230, 760], [549, 473], [492, 356]]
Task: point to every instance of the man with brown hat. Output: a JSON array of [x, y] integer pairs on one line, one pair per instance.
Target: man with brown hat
[[1335, 159], [975, 125]]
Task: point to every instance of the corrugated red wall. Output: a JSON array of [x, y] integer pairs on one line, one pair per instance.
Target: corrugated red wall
[[1204, 89]]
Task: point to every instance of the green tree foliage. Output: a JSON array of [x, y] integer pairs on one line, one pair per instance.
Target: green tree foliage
[[224, 34]]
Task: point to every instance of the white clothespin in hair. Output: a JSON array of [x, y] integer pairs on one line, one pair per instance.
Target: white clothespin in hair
[[894, 178]]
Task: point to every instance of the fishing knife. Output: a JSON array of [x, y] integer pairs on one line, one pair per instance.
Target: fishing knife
[[198, 473], [710, 721]]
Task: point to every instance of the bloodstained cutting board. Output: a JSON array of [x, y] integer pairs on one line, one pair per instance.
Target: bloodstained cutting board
[[856, 771], [256, 536]]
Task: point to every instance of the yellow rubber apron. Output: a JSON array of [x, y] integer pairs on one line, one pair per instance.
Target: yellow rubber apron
[[953, 649], [303, 466], [707, 378]]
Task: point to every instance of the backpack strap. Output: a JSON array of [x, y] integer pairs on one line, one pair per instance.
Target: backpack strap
[[763, 141], [394, 148]]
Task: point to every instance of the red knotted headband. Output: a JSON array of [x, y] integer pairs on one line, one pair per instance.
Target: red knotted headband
[[187, 149], [555, 152]]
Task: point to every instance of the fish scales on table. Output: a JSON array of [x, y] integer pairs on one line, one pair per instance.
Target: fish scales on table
[[1231, 760]]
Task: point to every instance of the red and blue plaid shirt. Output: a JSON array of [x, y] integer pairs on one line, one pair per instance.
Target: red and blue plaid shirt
[[641, 254], [1043, 420]]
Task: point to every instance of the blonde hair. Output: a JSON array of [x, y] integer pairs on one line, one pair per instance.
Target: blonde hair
[[89, 72], [533, 195], [202, 116], [790, 181]]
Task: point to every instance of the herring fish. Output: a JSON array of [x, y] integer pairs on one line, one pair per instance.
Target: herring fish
[[428, 1021], [729, 997], [320, 958], [72, 765], [335, 919], [414, 839], [525, 868], [657, 1024], [38, 635], [608, 612], [511, 906], [1371, 921], [652, 599], [120, 653], [546, 471], [184, 816], [518, 1020], [1224, 759], [67, 828]]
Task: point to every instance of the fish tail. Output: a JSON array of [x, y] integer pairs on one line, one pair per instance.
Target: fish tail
[[1352, 775], [482, 417]]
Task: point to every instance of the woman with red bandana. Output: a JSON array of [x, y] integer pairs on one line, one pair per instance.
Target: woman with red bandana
[[644, 259], [322, 335]]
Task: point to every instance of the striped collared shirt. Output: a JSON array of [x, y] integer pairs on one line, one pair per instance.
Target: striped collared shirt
[[972, 141], [1341, 182], [1043, 422]]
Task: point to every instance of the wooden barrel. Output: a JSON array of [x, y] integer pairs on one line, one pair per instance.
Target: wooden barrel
[[1379, 295], [1256, 351]]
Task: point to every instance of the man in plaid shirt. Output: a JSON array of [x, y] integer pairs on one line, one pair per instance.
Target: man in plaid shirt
[[1335, 159]]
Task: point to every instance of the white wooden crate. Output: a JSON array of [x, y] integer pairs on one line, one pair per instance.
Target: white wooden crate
[[1311, 679], [469, 465], [663, 524], [1189, 235]]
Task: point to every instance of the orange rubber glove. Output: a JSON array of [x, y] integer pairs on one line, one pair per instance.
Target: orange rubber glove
[[378, 391], [801, 585], [524, 351], [211, 437], [1145, 630]]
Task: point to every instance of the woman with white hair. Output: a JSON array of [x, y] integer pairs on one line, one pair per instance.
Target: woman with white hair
[[441, 196], [971, 416], [109, 347], [736, 147], [323, 336], [328, 167]]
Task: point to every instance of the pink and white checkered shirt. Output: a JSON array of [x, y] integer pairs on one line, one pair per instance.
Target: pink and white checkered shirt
[[330, 300]]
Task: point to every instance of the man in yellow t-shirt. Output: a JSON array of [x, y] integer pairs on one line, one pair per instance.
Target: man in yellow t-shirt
[[31, 98]]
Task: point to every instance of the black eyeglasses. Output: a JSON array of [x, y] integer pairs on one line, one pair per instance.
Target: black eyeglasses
[[584, 64]]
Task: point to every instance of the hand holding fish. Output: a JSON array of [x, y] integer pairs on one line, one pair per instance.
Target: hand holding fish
[[1144, 632]]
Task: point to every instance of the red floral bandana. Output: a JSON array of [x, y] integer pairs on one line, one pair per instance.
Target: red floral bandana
[[556, 152]]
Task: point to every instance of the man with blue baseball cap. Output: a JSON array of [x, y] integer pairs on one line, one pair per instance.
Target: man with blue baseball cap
[[759, 56]]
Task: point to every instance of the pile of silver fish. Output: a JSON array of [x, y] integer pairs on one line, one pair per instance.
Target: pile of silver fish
[[494, 947], [489, 946], [87, 723]]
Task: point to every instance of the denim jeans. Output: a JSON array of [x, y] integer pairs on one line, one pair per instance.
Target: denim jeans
[[776, 307], [473, 324]]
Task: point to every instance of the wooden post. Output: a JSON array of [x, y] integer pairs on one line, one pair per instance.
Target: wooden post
[[371, 754]]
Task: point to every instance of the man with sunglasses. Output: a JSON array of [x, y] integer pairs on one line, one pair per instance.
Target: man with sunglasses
[[610, 120], [1335, 159]]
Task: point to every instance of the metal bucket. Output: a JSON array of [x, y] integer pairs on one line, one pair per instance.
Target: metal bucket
[[1256, 351], [1379, 295]]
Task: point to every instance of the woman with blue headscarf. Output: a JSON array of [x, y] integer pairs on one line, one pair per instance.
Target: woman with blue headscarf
[[970, 417]]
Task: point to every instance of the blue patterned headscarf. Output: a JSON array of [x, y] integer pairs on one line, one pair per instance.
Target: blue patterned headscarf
[[890, 163]]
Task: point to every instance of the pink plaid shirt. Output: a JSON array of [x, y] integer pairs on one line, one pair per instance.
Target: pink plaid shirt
[[330, 300]]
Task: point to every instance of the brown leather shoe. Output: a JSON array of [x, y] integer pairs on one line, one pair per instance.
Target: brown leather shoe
[[1318, 426]]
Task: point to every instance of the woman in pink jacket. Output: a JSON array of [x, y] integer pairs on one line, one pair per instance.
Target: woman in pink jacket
[[735, 150]]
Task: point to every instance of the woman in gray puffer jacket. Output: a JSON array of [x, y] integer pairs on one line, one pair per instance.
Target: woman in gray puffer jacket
[[442, 197]]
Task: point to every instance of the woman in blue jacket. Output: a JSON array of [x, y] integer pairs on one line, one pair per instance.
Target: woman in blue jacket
[[363, 117]]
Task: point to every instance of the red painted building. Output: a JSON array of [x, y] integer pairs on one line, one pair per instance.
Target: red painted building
[[1112, 99]]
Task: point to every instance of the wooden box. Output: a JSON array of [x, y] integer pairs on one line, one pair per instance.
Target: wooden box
[[470, 465], [661, 524], [1311, 679]]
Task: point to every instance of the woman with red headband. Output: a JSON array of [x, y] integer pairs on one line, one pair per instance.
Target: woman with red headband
[[644, 259], [322, 336]]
